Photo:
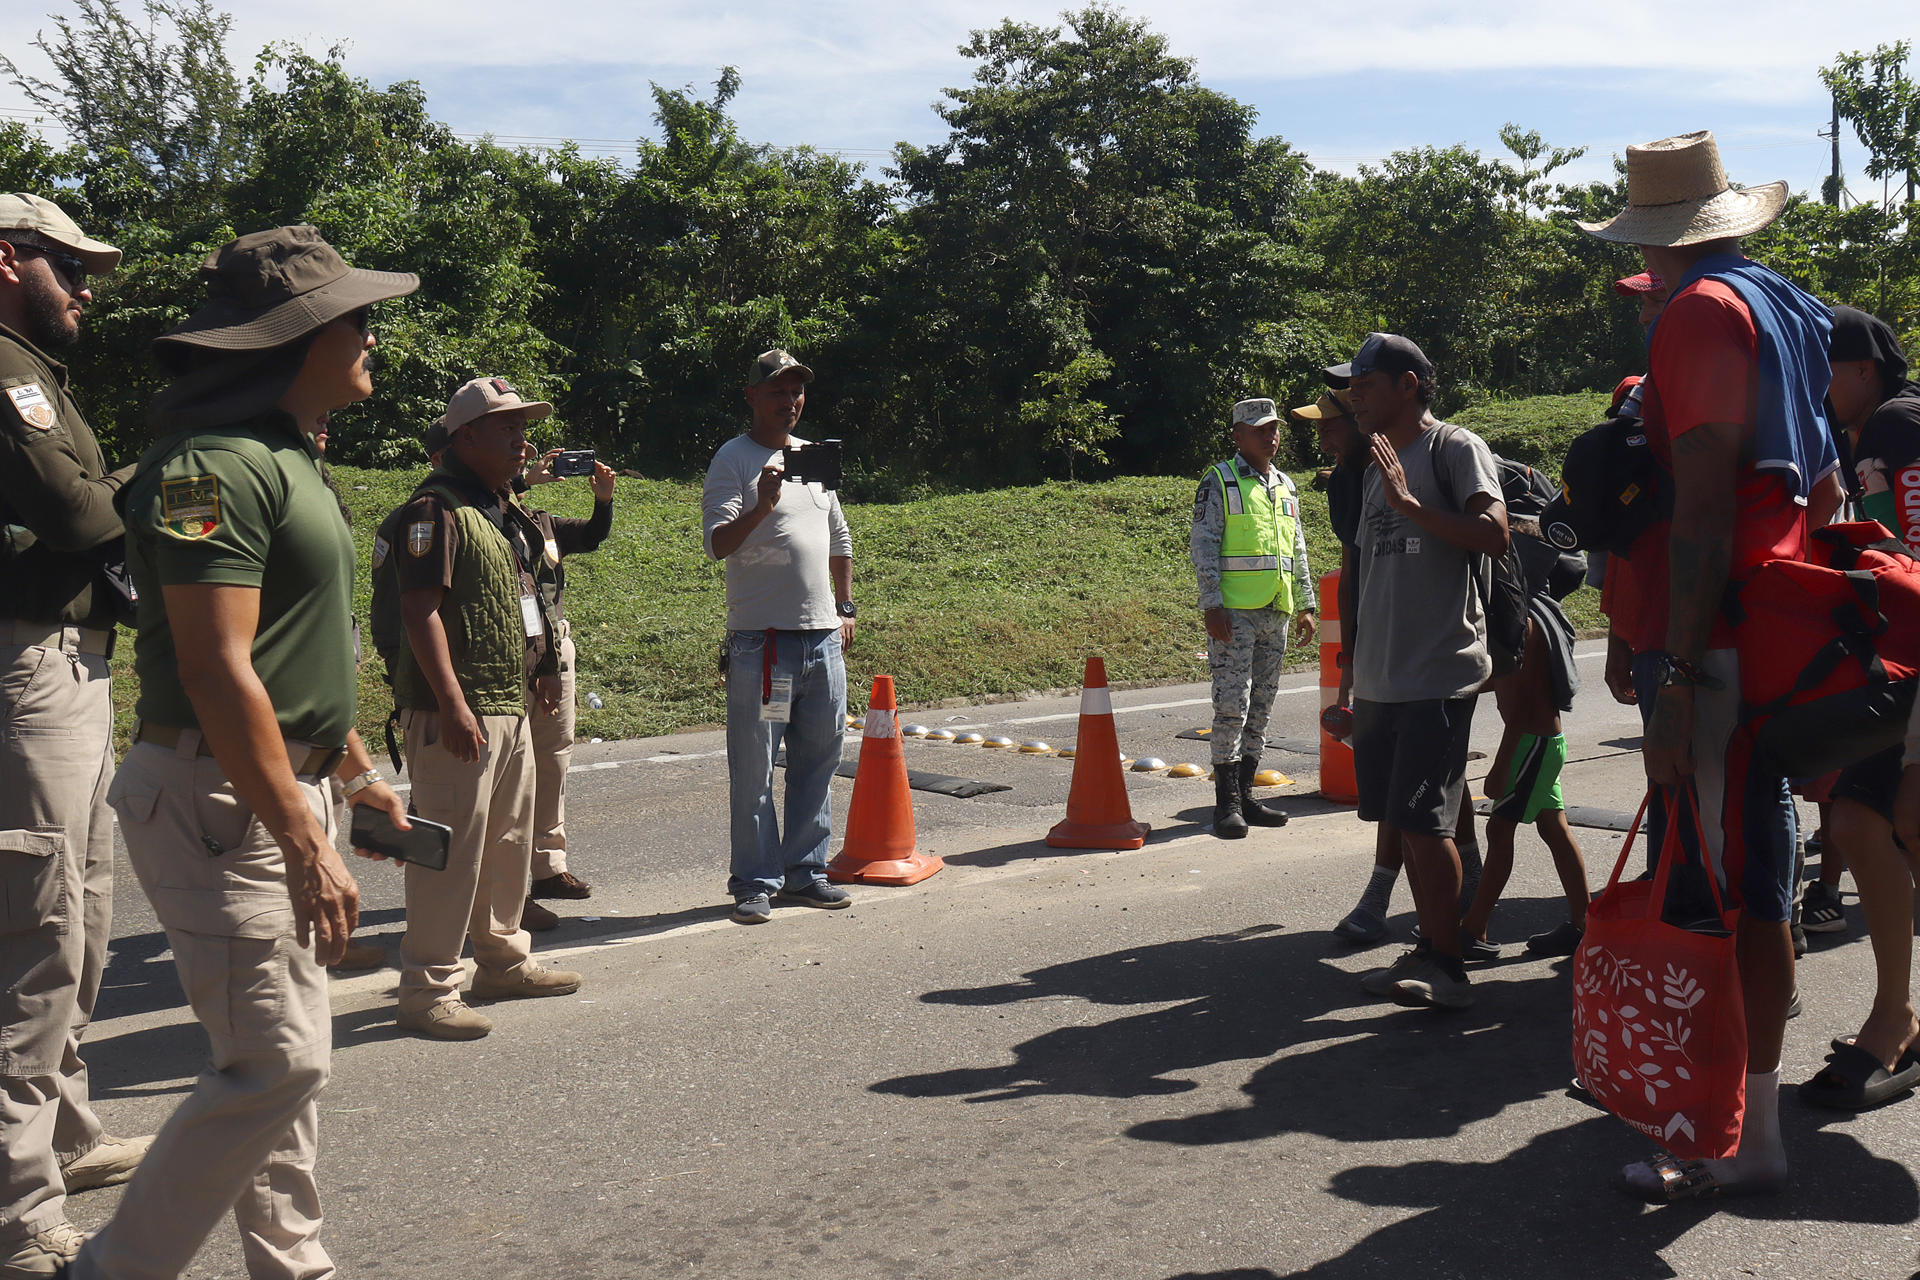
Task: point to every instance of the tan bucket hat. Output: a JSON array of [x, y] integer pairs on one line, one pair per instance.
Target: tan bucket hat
[[20, 211], [270, 287], [475, 400], [1678, 193]]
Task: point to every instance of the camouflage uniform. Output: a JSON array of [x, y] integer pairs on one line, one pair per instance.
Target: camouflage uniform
[[1246, 670]]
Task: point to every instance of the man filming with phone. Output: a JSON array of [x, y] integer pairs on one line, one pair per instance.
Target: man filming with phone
[[790, 616]]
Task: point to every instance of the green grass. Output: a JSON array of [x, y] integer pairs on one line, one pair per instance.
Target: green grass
[[1536, 430], [965, 596]]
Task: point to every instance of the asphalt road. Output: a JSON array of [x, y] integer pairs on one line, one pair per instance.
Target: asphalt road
[[1038, 1063]]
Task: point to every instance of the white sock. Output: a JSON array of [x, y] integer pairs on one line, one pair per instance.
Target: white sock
[[1762, 1157]]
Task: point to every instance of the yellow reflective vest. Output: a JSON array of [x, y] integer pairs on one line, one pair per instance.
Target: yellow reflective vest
[[1256, 549]]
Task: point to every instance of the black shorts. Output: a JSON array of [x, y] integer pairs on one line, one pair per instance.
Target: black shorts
[[1872, 782], [1410, 760]]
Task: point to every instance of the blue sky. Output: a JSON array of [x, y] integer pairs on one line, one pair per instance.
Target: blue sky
[[854, 77]]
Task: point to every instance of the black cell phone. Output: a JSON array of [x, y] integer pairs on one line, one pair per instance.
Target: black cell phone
[[425, 844], [573, 462]]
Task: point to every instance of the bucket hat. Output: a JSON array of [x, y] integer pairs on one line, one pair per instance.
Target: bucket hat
[[20, 211], [270, 287], [1678, 193]]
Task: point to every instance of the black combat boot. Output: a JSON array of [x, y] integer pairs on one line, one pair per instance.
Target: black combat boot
[[1227, 822], [1260, 815]]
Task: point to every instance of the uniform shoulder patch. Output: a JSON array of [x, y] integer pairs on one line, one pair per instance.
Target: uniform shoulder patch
[[33, 406], [190, 506], [380, 549], [419, 538]]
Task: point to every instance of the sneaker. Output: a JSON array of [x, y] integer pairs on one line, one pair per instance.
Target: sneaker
[[754, 910], [1562, 940], [535, 918], [109, 1164], [1799, 940], [1381, 981], [1794, 1007], [529, 981], [359, 956], [1477, 950], [448, 1020], [46, 1254], [563, 885], [1429, 986], [828, 897], [1820, 910], [1361, 927]]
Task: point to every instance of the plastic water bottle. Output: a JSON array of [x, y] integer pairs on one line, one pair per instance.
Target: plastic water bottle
[[593, 700]]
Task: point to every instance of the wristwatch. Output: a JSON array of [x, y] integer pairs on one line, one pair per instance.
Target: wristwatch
[[360, 782], [1678, 673], [846, 609]]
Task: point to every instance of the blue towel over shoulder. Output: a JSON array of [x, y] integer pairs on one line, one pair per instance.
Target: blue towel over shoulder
[[1791, 433]]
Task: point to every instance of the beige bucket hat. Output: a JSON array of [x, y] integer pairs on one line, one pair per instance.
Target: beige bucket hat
[[1678, 193], [20, 211]]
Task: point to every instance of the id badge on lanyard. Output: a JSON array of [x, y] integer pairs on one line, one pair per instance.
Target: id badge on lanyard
[[530, 620]]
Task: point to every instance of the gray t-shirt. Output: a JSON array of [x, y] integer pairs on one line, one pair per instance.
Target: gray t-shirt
[[778, 576], [1421, 632]]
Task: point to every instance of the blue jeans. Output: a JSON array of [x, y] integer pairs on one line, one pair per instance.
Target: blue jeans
[[763, 862]]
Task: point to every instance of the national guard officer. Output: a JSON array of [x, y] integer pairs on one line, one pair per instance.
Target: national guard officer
[[1250, 558], [62, 588], [247, 703], [473, 572]]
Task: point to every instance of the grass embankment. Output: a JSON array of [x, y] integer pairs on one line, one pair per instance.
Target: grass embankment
[[961, 596]]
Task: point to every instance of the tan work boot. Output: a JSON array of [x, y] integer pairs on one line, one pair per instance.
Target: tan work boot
[[535, 918], [448, 1020], [46, 1254], [527, 981], [109, 1164]]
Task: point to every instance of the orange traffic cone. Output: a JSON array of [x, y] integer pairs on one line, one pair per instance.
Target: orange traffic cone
[[1098, 815], [879, 846]]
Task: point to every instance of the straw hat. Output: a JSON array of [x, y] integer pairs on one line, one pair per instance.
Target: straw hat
[[1677, 193]]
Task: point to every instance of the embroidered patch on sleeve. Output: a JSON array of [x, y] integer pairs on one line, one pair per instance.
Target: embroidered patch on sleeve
[[190, 506], [419, 538], [380, 549], [31, 403]]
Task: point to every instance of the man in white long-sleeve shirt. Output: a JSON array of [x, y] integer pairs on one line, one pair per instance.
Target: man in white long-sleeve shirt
[[790, 615]]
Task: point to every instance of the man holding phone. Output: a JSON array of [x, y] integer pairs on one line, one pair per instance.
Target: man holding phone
[[474, 570], [553, 723]]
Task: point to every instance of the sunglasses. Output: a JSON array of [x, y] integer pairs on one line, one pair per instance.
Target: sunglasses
[[70, 267], [361, 319]]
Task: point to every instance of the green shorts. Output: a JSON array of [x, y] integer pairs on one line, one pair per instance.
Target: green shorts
[[1533, 779]]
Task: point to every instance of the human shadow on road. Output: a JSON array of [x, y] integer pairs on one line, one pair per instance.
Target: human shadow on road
[[1251, 994]]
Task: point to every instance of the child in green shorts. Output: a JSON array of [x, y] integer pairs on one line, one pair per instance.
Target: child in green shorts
[[1526, 769]]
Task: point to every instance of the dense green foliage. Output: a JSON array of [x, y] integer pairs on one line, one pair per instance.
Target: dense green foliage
[[1099, 258]]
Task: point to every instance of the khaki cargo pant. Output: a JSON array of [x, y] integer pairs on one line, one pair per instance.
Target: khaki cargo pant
[[552, 754], [489, 805], [246, 1138], [56, 912]]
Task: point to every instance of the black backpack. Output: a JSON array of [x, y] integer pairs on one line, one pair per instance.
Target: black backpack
[[1611, 490], [1553, 571], [1507, 590]]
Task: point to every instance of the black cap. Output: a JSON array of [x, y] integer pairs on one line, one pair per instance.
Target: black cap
[[1338, 377], [1388, 353], [1860, 336]]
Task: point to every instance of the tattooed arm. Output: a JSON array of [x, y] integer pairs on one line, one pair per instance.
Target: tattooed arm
[[1706, 463]]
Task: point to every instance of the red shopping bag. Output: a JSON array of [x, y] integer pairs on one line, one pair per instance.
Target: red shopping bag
[[1659, 1029]]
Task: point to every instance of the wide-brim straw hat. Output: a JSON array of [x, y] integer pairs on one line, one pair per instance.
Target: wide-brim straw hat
[[1678, 193], [270, 287]]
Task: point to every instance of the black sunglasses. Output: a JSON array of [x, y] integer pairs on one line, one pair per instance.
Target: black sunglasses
[[74, 270]]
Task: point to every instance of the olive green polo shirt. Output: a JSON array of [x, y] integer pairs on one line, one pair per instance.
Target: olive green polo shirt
[[56, 496], [245, 505]]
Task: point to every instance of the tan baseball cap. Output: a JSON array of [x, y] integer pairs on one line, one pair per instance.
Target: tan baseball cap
[[771, 364], [1331, 404], [1254, 413], [475, 400], [20, 211]]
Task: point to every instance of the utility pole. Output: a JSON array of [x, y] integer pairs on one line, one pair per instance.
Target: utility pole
[[1833, 133]]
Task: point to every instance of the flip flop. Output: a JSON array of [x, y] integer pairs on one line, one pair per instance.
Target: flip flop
[[1854, 1080], [1673, 1180]]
